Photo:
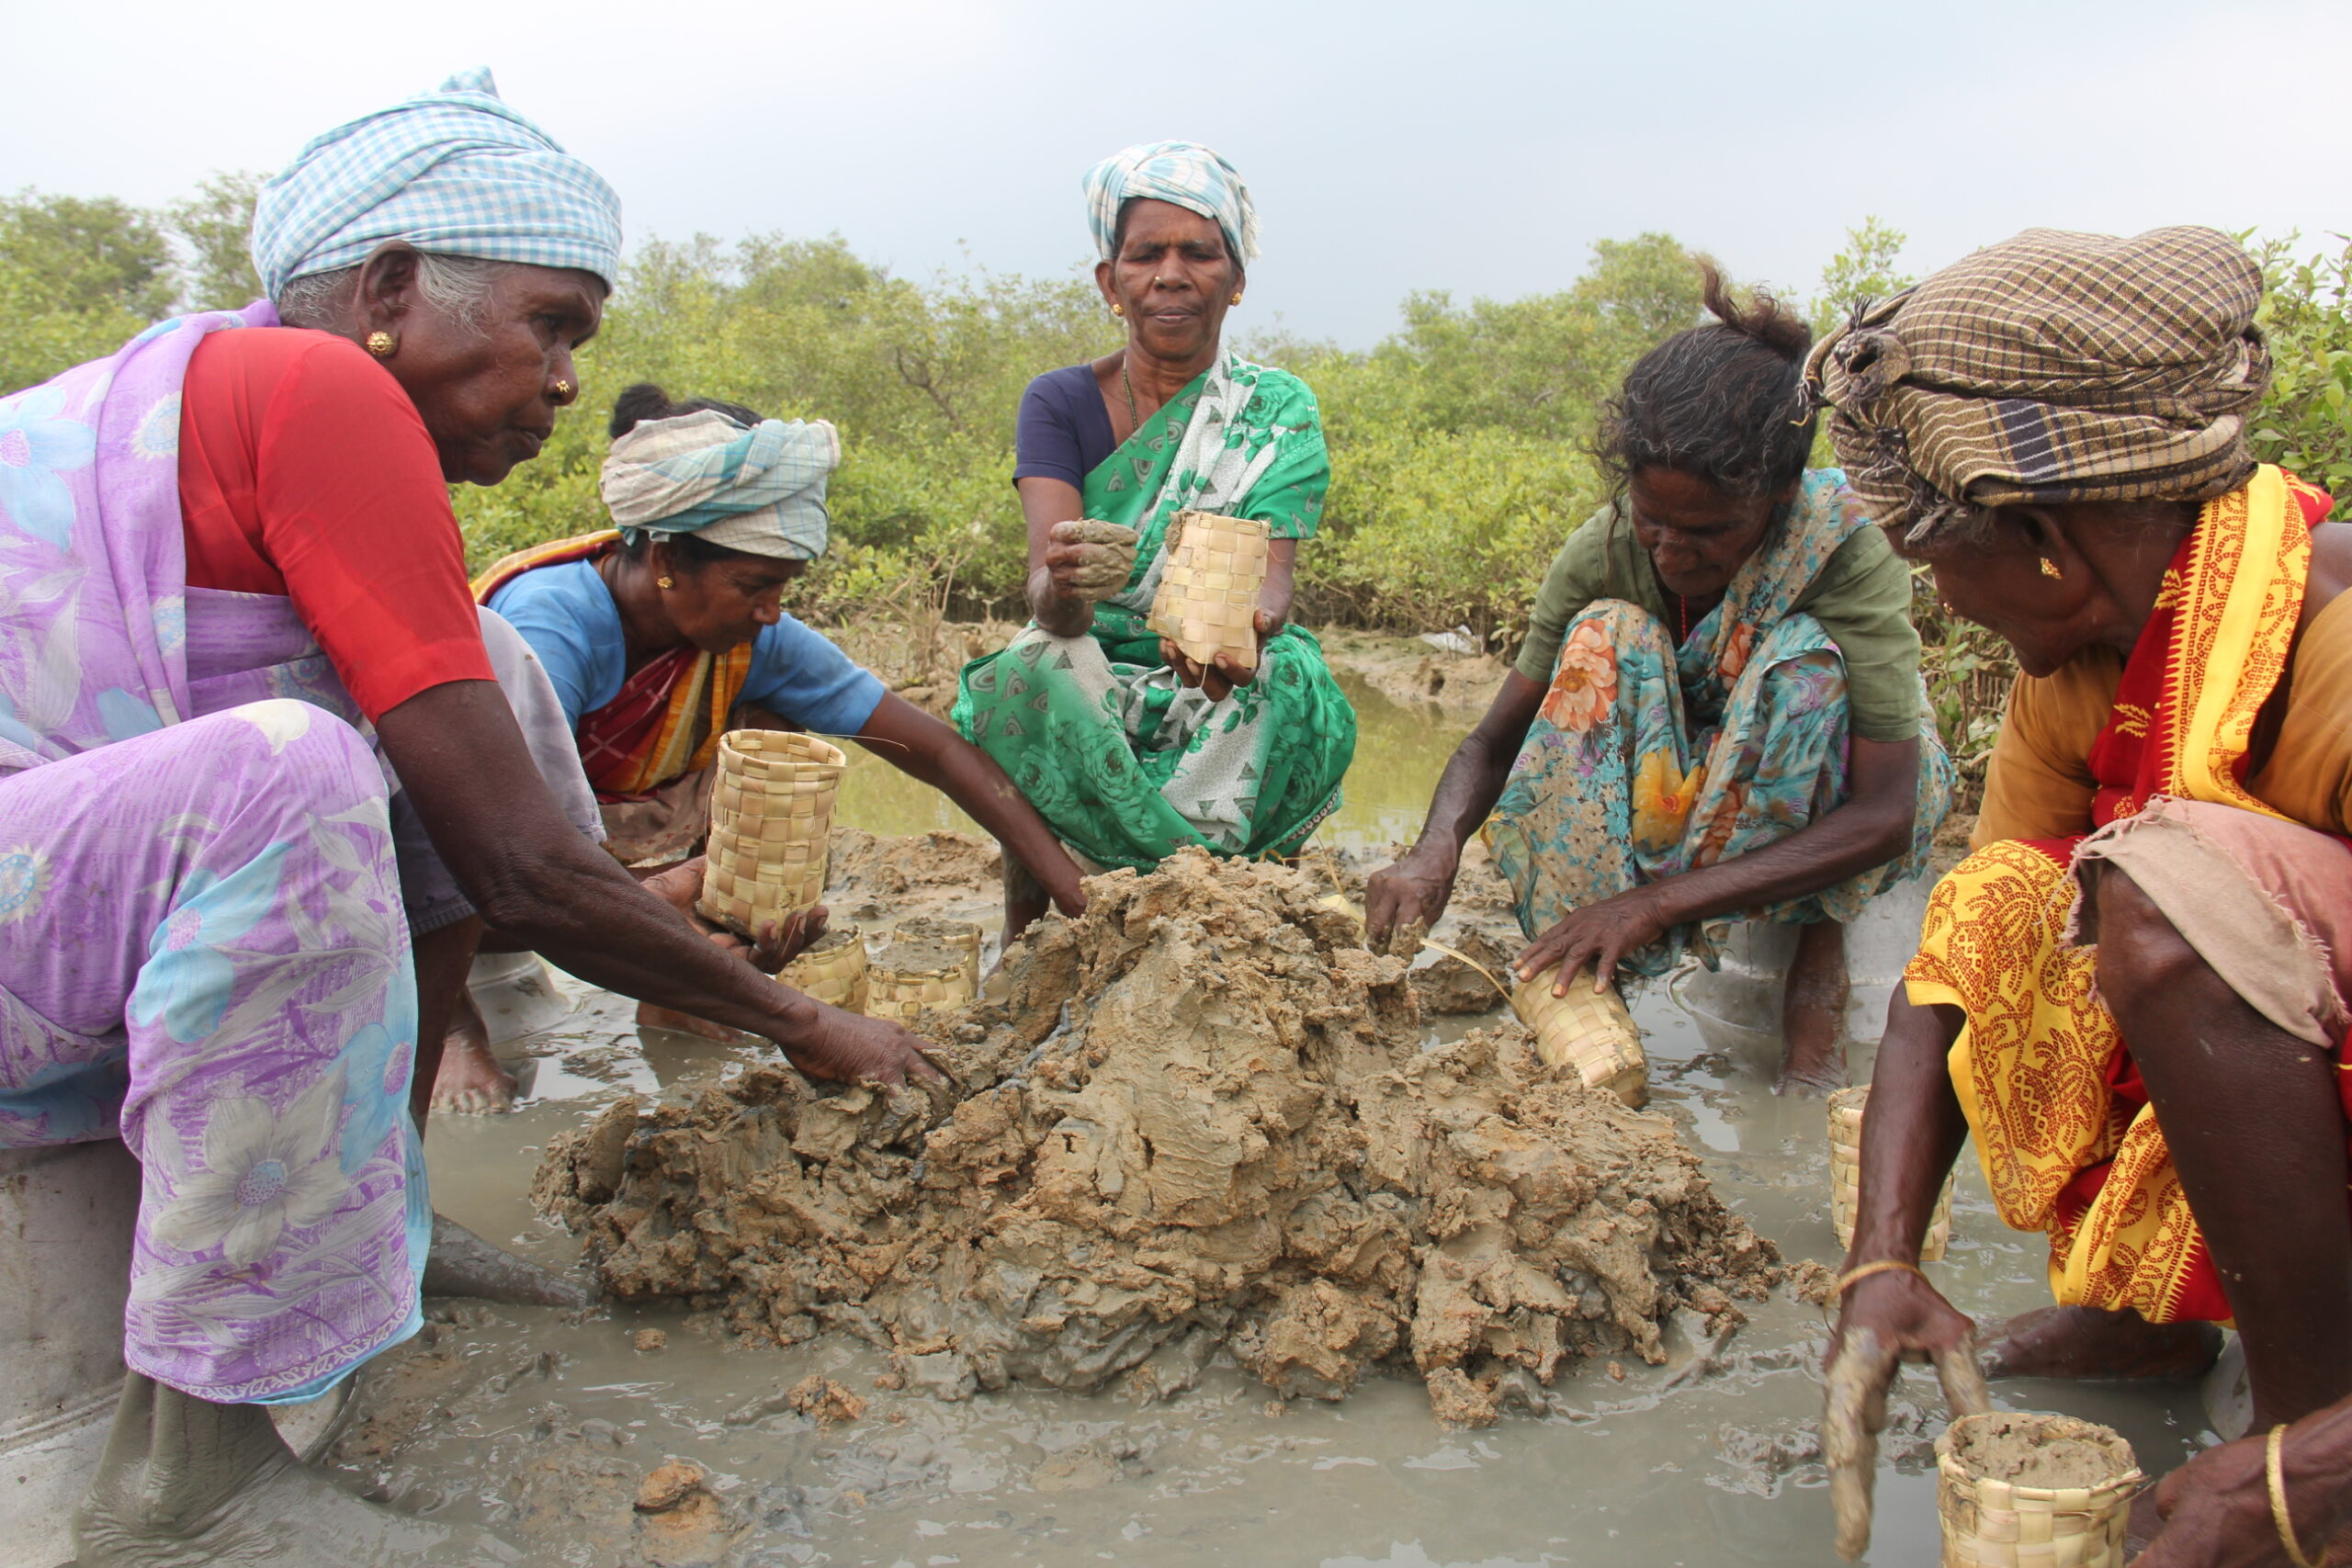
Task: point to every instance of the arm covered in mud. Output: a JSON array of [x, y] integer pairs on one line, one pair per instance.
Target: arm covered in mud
[[921, 746], [1415, 891], [1911, 1135]]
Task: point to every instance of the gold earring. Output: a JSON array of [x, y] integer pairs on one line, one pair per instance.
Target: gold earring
[[382, 344], [1237, 296], [2050, 567], [1117, 308], [665, 582]]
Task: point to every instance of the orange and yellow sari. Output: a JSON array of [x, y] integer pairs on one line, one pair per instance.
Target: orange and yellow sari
[[666, 719], [2062, 1127]]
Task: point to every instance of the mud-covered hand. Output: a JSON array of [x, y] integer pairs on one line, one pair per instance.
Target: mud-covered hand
[[780, 941], [849, 1047], [1220, 676], [1603, 933], [1888, 1319], [1090, 559], [1414, 891], [2216, 1508]]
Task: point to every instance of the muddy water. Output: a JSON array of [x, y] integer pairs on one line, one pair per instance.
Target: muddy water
[[1672, 1465]]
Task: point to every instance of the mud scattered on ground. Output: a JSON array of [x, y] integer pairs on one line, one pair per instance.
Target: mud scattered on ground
[[878, 880], [1200, 1117]]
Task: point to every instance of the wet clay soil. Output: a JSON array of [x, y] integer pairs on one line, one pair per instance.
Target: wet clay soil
[[2028, 1453], [548, 1426]]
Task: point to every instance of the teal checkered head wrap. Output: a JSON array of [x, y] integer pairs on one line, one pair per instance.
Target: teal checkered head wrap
[[454, 172], [759, 489], [1182, 173]]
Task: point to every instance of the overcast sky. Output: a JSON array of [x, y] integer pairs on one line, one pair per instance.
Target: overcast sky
[[1474, 147]]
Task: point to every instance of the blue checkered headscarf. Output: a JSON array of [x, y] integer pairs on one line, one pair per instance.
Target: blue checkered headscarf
[[453, 171], [1185, 173], [759, 489]]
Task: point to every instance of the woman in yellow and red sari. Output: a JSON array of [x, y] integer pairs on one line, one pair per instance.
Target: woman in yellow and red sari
[[2133, 993], [662, 634]]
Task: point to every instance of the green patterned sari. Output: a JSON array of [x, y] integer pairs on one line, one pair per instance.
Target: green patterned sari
[[1127, 763]]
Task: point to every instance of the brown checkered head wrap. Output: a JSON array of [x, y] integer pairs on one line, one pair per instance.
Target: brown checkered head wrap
[[2051, 368]]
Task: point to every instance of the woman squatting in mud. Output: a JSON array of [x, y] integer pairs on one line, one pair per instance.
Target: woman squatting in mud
[[2133, 994], [1130, 750], [222, 938], [1717, 712], [664, 632]]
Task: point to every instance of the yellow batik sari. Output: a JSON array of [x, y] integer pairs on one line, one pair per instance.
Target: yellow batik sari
[[2068, 1142]]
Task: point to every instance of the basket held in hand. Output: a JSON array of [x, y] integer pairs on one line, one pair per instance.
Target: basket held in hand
[[1846, 1175], [1594, 1034], [832, 970], [771, 807], [1989, 1523], [1208, 600]]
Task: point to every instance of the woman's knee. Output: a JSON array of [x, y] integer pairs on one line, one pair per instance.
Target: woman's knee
[[2140, 953]]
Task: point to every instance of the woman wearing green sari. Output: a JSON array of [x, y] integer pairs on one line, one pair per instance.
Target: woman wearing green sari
[[1130, 750]]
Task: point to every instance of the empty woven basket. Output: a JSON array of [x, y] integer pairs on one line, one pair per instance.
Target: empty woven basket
[[1593, 1033], [832, 970], [771, 807], [1207, 600], [1846, 1175], [1992, 1522], [908, 979]]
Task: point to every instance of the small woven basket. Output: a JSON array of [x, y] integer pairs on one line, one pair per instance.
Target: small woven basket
[[1998, 1523], [1846, 1175], [960, 936], [908, 979], [832, 970], [1207, 600], [1594, 1034], [771, 807]]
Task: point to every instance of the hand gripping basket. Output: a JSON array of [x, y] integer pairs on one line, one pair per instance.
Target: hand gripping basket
[[957, 936], [1208, 600], [1846, 1175], [1990, 1523], [907, 979], [771, 807], [1594, 1034], [833, 970]]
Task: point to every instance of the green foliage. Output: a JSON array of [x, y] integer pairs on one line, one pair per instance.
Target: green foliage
[[215, 224], [90, 254], [1864, 270], [2305, 425]]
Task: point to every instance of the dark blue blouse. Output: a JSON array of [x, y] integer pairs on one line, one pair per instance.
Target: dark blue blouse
[[1064, 432]]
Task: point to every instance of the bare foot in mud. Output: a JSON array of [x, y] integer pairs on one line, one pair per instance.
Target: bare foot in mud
[[1813, 1013], [2084, 1342], [470, 1082]]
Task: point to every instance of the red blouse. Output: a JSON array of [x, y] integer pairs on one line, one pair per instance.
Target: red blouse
[[306, 471]]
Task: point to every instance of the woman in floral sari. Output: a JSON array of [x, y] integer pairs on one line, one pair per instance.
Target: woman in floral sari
[[1717, 712], [2133, 994], [1127, 747]]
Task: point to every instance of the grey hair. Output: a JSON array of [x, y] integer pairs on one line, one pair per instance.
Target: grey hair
[[458, 286]]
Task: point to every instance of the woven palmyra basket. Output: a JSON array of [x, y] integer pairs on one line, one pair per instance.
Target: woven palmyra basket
[[1994, 1524], [834, 971], [1208, 600], [1593, 1033], [961, 935], [906, 980], [1846, 1175], [771, 807]]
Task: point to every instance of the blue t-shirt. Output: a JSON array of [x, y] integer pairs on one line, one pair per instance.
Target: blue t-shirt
[[568, 617], [1064, 432]]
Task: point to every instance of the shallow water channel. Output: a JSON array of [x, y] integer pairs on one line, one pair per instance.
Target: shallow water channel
[[1660, 1466]]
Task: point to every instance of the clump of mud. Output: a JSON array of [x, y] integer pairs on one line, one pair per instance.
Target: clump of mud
[[2031, 1451], [1198, 1118]]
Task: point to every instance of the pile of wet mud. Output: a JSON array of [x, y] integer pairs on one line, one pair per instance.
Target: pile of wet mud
[[1198, 1119]]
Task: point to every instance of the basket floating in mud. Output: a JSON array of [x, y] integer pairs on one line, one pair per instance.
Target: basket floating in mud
[[1593, 1033], [771, 807], [907, 979], [2017, 1490], [831, 970], [1207, 600], [1846, 1175], [961, 936]]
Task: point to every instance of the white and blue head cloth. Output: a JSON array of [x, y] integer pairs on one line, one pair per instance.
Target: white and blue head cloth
[[454, 172], [761, 490], [1185, 173]]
